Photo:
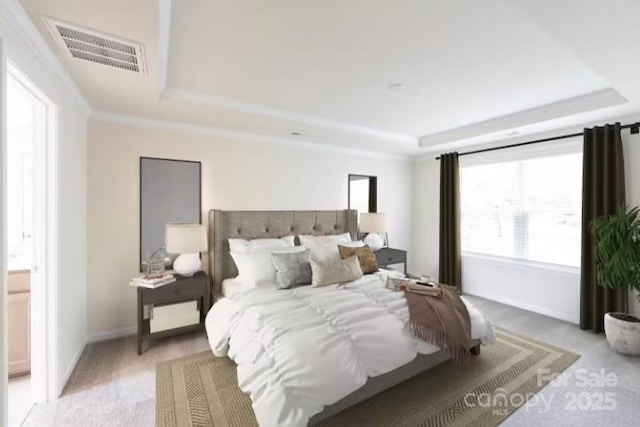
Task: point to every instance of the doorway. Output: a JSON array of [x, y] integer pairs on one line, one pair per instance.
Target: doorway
[[30, 141]]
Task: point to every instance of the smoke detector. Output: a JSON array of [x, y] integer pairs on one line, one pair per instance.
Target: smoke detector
[[90, 45]]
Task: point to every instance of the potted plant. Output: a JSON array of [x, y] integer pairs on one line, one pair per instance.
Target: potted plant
[[617, 253]]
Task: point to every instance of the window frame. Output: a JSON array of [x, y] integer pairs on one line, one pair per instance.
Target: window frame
[[570, 146]]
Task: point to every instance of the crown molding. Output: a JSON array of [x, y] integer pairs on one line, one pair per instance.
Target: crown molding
[[18, 19], [276, 113], [577, 127], [164, 41], [166, 125], [567, 107]]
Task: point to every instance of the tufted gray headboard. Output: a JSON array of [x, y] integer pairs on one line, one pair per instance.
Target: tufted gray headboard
[[224, 225]]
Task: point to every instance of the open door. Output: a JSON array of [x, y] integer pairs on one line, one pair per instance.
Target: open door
[[30, 217]]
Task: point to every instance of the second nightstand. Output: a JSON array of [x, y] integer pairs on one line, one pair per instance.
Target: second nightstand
[[389, 256], [193, 288]]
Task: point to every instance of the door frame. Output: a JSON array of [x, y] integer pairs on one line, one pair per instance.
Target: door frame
[[44, 271], [4, 363]]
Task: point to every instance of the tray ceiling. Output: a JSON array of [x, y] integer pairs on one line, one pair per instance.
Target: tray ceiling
[[471, 71]]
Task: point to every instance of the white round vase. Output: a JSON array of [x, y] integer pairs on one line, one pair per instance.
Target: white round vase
[[187, 264], [374, 241]]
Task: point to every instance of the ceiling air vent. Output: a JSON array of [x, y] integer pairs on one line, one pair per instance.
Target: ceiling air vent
[[99, 48]]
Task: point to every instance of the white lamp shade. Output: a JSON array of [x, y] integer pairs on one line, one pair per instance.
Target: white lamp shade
[[373, 222], [184, 238]]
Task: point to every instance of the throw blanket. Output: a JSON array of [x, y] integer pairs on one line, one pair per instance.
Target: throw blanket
[[441, 321]]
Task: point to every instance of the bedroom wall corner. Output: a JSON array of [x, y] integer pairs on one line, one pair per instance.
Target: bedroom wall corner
[[236, 175], [477, 273], [426, 211]]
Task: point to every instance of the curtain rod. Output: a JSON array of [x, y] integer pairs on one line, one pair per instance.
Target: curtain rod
[[635, 126]]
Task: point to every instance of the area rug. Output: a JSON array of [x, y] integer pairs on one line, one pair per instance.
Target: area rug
[[202, 390]]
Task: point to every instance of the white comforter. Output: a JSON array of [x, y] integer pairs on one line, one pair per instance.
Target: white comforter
[[302, 349]]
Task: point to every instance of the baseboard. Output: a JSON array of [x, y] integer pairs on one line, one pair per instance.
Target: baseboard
[[529, 307], [17, 369], [114, 333], [72, 366]]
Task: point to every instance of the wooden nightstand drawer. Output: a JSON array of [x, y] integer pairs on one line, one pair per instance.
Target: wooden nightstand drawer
[[173, 293], [389, 256], [196, 287]]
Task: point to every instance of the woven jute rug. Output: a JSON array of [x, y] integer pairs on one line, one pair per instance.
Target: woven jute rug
[[202, 390]]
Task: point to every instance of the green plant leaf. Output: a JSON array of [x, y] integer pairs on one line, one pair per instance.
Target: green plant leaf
[[617, 248]]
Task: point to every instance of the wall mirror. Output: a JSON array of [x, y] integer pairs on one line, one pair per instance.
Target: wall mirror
[[363, 193], [170, 191]]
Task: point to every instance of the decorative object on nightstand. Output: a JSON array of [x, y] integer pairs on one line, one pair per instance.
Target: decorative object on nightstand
[[390, 256], [157, 262], [188, 240], [374, 224], [179, 307]]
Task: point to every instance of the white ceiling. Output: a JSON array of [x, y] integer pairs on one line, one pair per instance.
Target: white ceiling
[[474, 71]]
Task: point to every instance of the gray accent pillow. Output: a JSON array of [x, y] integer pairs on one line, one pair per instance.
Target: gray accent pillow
[[332, 272], [292, 269]]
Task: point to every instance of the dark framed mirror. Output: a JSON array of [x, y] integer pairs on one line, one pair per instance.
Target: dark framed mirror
[[363, 193], [170, 191]]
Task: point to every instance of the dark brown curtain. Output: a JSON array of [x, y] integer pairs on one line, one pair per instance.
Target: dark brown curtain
[[603, 192], [450, 266]]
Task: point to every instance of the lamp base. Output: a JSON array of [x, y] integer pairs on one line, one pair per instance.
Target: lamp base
[[187, 264], [374, 241]]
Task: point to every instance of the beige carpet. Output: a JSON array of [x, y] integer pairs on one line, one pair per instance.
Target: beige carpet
[[202, 390]]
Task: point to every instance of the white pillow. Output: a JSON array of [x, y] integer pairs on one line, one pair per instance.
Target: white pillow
[[329, 251], [308, 240], [256, 267], [259, 245], [332, 272]]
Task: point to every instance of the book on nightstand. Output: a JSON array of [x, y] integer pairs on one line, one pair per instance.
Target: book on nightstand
[[152, 281]]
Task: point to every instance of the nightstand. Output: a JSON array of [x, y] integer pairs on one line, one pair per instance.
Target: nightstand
[[184, 289], [389, 256]]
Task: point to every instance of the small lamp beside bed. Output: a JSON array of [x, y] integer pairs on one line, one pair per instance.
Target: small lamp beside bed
[[187, 240], [374, 224]]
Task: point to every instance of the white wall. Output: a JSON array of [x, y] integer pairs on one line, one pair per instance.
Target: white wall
[[549, 290], [525, 286], [72, 232], [425, 206], [235, 175], [72, 172]]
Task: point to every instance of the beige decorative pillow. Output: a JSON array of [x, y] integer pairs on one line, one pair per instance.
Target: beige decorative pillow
[[332, 272], [365, 255]]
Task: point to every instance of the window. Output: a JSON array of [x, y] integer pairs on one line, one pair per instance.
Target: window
[[526, 209]]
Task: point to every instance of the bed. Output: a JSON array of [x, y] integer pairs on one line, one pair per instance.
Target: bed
[[275, 336]]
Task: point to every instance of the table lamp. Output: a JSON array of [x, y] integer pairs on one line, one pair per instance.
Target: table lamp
[[375, 224], [188, 240]]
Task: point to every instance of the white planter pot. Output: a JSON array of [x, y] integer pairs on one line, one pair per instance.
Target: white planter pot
[[623, 336]]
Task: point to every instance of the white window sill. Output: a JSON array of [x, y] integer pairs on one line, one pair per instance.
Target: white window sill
[[522, 263]]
